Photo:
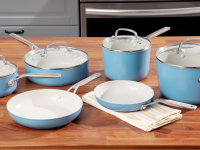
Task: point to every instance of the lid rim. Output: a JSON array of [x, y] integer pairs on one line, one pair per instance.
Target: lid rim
[[177, 66], [127, 51], [56, 68], [11, 73]]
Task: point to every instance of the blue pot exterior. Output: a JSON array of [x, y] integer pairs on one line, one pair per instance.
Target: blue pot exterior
[[4, 88], [45, 124], [180, 84], [69, 76], [122, 107], [126, 66]]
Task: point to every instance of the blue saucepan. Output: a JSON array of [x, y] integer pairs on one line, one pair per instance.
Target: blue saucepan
[[9, 77], [47, 108], [126, 96], [127, 57], [72, 63], [178, 69]]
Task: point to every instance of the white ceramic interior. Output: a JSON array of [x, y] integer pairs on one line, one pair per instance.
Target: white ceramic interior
[[188, 57], [57, 58], [44, 104], [126, 43], [7, 69], [124, 92]]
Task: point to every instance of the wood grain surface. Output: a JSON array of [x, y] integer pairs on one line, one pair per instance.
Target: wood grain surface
[[93, 128]]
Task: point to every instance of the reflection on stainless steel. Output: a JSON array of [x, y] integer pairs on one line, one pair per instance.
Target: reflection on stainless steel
[[135, 9], [142, 12]]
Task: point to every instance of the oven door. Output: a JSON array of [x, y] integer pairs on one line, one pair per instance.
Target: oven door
[[102, 19]]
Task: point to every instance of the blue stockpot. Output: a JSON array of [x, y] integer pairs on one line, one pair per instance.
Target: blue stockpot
[[69, 76], [126, 66], [180, 84], [4, 88], [45, 123], [127, 57], [123, 107]]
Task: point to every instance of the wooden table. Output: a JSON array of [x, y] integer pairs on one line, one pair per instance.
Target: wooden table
[[93, 128]]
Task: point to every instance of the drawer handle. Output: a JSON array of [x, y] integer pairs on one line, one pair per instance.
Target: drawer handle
[[16, 32]]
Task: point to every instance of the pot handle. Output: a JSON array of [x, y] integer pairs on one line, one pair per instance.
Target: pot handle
[[158, 32], [181, 44], [125, 29], [171, 103], [45, 50], [4, 60], [19, 38], [84, 81], [34, 75]]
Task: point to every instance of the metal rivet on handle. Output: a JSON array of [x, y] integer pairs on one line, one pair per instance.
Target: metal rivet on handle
[[199, 80]]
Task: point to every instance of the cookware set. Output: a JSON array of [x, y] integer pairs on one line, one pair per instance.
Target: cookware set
[[126, 60]]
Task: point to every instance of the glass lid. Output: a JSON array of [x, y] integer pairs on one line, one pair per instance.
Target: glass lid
[[59, 57], [126, 43], [6, 68], [181, 55]]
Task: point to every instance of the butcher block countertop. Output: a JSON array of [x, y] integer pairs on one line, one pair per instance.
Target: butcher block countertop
[[93, 128]]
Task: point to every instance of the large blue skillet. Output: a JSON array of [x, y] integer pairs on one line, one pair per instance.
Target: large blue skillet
[[47, 108]]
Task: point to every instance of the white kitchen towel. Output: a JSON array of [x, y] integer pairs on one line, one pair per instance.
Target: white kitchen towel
[[154, 116]]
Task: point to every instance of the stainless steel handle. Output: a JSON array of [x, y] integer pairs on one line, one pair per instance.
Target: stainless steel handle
[[17, 37], [129, 30], [34, 75], [3, 58], [45, 51], [84, 81], [180, 45], [158, 32], [171, 103], [142, 12]]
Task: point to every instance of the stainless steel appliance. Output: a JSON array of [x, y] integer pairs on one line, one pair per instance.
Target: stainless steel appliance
[[101, 18]]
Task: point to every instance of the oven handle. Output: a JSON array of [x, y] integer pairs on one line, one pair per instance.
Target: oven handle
[[142, 12]]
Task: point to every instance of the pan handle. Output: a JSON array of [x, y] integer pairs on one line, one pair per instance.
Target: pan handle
[[84, 81], [171, 103], [157, 33], [17, 37], [34, 75]]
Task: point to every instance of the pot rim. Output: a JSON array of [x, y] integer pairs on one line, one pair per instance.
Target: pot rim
[[128, 51], [177, 66], [56, 68], [1, 77]]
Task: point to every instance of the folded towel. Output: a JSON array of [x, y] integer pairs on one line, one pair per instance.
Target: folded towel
[[154, 116]]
